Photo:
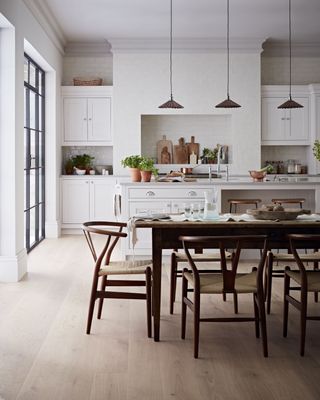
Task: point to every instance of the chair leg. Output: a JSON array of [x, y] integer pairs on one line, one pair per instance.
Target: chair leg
[[224, 296], [184, 307], [316, 295], [286, 304], [263, 322], [173, 281], [103, 288], [91, 304], [269, 281], [196, 323], [303, 320], [235, 302], [149, 297], [256, 315]]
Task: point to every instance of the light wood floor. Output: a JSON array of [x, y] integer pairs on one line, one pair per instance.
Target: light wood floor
[[45, 353]]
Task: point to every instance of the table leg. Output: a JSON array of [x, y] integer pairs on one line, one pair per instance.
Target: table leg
[[156, 281]]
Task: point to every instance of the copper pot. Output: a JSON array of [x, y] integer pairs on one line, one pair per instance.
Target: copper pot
[[186, 170]]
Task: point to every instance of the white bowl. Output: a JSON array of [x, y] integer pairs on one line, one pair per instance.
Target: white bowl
[[80, 171]]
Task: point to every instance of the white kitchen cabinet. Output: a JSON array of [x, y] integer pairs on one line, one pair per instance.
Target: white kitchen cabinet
[[87, 198], [155, 199], [87, 116], [284, 126]]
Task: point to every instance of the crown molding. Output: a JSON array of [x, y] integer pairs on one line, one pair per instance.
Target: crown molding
[[186, 45], [48, 22], [88, 49], [299, 49]]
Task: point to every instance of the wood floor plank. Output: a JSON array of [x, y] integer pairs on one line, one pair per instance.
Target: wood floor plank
[[46, 355]]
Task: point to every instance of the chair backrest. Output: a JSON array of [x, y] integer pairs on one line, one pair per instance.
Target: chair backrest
[[226, 242], [297, 242], [111, 231]]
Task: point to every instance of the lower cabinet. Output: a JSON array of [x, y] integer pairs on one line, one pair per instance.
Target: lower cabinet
[[85, 199], [155, 200]]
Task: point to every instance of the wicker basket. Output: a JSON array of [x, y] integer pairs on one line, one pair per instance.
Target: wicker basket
[[87, 82]]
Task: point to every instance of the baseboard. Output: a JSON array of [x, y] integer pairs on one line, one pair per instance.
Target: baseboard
[[13, 268], [53, 230]]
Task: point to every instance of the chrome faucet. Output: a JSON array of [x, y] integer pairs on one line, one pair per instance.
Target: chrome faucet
[[210, 172]]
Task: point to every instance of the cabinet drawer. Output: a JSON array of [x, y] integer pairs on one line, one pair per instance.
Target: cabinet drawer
[[160, 193]]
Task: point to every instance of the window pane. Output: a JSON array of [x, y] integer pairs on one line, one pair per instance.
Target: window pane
[[32, 110], [33, 148], [40, 82], [25, 186], [25, 70], [32, 226], [32, 187], [40, 100], [32, 81]]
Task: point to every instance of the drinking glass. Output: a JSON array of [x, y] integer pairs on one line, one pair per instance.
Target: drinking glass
[[187, 210], [195, 210]]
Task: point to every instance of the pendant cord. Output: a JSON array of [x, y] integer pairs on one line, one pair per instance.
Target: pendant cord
[[228, 56], [290, 48], [171, 49]]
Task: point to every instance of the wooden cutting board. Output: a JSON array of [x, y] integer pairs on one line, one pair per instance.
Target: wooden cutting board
[[164, 151], [180, 153], [193, 147]]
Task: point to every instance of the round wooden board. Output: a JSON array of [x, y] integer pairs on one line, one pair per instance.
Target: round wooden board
[[285, 215]]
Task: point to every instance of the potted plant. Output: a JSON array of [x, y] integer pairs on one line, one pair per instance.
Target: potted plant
[[82, 162], [133, 163], [69, 166], [147, 169], [209, 156], [316, 149]]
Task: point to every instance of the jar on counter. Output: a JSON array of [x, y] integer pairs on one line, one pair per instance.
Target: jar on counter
[[297, 168], [291, 166]]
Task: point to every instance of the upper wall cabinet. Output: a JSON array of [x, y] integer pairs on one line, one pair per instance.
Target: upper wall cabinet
[[87, 115], [285, 126]]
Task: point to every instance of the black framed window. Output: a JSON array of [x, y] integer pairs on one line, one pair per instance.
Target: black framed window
[[34, 153]]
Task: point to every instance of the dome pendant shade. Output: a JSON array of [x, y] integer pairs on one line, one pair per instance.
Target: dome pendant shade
[[228, 103], [171, 104], [290, 103]]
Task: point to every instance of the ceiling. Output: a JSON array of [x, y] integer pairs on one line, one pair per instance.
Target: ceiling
[[98, 20]]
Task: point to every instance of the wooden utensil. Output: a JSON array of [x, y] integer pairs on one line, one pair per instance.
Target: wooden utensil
[[180, 152], [164, 151], [287, 214], [193, 147]]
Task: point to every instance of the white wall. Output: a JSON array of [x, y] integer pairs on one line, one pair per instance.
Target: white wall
[[275, 70], [13, 263], [141, 84]]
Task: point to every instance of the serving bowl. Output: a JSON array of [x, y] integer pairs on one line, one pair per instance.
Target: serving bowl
[[258, 176]]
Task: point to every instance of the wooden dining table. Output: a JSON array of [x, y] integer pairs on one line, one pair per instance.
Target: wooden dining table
[[165, 235]]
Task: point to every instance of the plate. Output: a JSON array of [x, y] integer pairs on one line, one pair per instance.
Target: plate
[[286, 215], [159, 216]]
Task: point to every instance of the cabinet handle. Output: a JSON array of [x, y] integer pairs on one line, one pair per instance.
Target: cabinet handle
[[90, 119], [84, 119], [91, 182], [168, 205], [150, 193], [192, 193], [283, 119], [288, 119], [87, 181]]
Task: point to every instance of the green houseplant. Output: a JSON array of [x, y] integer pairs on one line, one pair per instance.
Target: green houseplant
[[209, 155], [147, 169], [133, 163], [82, 162], [316, 149], [69, 166]]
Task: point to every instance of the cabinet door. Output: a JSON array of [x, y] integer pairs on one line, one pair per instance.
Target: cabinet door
[[298, 121], [273, 119], [144, 239], [101, 199], [75, 119], [75, 201], [99, 119]]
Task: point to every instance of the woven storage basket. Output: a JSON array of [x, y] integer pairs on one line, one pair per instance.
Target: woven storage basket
[[87, 82]]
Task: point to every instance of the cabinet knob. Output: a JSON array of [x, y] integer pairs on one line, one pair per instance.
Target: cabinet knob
[[283, 119], [84, 118], [90, 119], [87, 181], [150, 193], [192, 193]]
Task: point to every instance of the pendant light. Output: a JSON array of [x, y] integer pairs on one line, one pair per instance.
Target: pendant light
[[171, 103], [290, 103], [228, 103]]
